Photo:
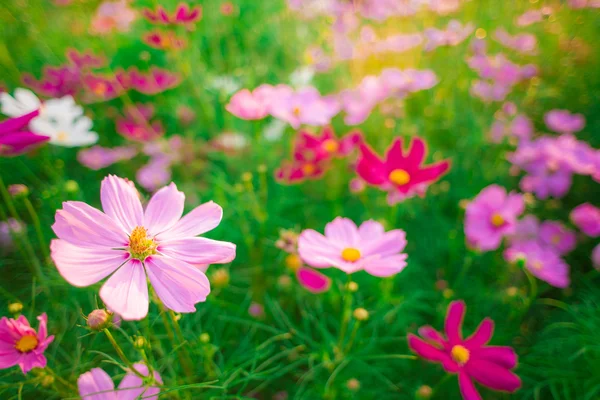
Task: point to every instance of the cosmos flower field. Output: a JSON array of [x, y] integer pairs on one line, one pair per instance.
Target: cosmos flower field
[[299, 199]]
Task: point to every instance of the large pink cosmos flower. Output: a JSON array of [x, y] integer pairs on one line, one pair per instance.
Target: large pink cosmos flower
[[401, 174], [97, 385], [491, 216], [351, 248], [470, 358], [16, 138], [131, 243], [21, 345]]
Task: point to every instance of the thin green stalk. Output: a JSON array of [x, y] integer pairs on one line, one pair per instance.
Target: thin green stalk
[[38, 228], [122, 355], [345, 313], [352, 336], [63, 382], [182, 358]]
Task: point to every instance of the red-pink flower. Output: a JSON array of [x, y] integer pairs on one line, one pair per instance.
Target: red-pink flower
[[163, 40], [103, 88], [470, 358], [183, 15], [21, 345], [136, 124], [85, 59], [402, 174], [16, 138]]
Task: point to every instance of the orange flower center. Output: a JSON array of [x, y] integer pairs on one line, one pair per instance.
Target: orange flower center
[[100, 89], [293, 262], [26, 343], [308, 169], [399, 177], [537, 265], [497, 220], [331, 145], [140, 244], [460, 354], [555, 239], [296, 111], [61, 136], [350, 254]]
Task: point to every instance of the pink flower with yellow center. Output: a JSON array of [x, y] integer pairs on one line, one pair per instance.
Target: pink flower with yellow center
[[351, 248], [97, 385], [131, 244], [470, 358], [21, 345]]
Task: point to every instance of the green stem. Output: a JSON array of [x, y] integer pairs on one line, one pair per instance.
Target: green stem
[[122, 356], [185, 362], [352, 336], [345, 313], [63, 382], [38, 228]]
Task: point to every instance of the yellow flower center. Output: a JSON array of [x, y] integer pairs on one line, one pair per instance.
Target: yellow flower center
[[293, 262], [331, 146], [497, 220], [308, 169], [399, 177], [140, 244], [100, 89], [537, 265], [61, 136], [555, 239], [460, 354], [350, 254], [296, 111], [26, 344]]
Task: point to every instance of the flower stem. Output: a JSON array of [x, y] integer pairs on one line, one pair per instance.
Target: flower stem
[[63, 382], [345, 313], [121, 355], [185, 362], [38, 229]]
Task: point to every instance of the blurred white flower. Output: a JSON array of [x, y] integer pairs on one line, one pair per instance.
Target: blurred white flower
[[302, 77], [274, 130], [63, 120], [225, 84], [23, 102]]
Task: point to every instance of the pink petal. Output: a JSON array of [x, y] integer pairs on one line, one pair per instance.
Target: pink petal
[[126, 291], [504, 356], [164, 209], [417, 152], [482, 334], [370, 168], [8, 360], [312, 280], [81, 266], [201, 219], [388, 244], [42, 331], [493, 375], [178, 285], [454, 319], [132, 387], [83, 225], [385, 266], [198, 250], [316, 250], [370, 229], [431, 353], [121, 202], [467, 388], [343, 232], [96, 381], [431, 334], [31, 360]]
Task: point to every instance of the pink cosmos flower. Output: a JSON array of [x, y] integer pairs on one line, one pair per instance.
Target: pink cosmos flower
[[454, 34], [97, 385], [491, 216], [352, 249], [155, 174], [529, 17], [132, 244], [520, 127], [524, 43], [104, 88], [85, 59], [8, 229], [98, 157], [470, 358], [183, 15], [402, 174], [305, 106], [55, 81], [444, 7], [136, 125], [577, 4], [21, 345], [543, 262], [312, 280], [163, 40], [112, 16], [16, 138], [587, 218], [249, 105], [563, 121], [556, 236], [155, 81]]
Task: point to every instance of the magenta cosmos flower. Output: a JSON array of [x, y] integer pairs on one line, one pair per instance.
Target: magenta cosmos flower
[[491, 216], [97, 385], [587, 219], [470, 358], [131, 243], [401, 174], [351, 248], [542, 261], [21, 345], [16, 138]]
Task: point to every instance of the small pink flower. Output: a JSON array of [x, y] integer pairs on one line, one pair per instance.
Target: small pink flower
[[491, 216], [97, 385], [16, 138], [543, 262], [103, 88], [136, 125], [21, 345], [183, 15], [248, 105], [155, 174], [256, 310], [529, 17], [85, 59], [313, 281], [305, 106], [454, 34], [562, 121], [98, 157], [163, 40], [112, 16], [155, 81], [132, 245], [524, 43], [227, 8], [351, 249], [587, 218], [470, 358], [556, 236]]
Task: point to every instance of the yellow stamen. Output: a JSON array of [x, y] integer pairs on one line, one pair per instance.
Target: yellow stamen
[[26, 344], [555, 239], [350, 254], [537, 265], [460, 354], [497, 220], [100, 89], [399, 177], [308, 169], [140, 245], [61, 136], [331, 145], [293, 262], [296, 111]]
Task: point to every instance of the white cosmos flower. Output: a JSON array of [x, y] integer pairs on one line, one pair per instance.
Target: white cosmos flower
[[63, 120], [23, 102]]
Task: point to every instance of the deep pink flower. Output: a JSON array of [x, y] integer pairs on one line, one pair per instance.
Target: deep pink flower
[[97, 385], [543, 262], [556, 236], [16, 138], [132, 244], [98, 157], [21, 345], [155, 81], [563, 121], [136, 124], [85, 59], [104, 88], [401, 174], [55, 81], [491, 216], [163, 40], [470, 358], [352, 249], [183, 15], [312, 280], [587, 218]]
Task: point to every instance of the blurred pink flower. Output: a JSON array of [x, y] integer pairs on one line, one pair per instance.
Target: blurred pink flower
[[249, 105], [402, 174], [352, 249], [97, 385], [556, 236], [183, 15], [155, 174], [136, 124], [454, 34], [470, 358], [491, 216], [313, 281], [112, 16], [305, 106], [583, 3], [85, 59], [529, 17], [155, 81], [134, 244], [8, 229], [99, 157], [256, 310], [103, 88], [543, 262], [230, 142], [587, 218], [524, 43], [596, 257], [562, 121], [55, 81], [444, 7], [15, 136], [22, 345], [163, 40]]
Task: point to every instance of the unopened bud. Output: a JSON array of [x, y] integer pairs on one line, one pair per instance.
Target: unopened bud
[[293, 262], [15, 308], [99, 319], [352, 286], [47, 380], [71, 186], [140, 342], [424, 392], [361, 314], [220, 278], [18, 190], [204, 338], [353, 384]]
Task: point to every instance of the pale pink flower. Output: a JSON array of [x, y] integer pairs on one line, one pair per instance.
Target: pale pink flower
[[563, 121], [351, 248], [132, 244], [21, 345], [97, 385], [529, 17], [112, 16], [247, 105]]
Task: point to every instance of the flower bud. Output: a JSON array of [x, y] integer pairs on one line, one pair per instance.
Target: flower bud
[[140, 342], [293, 262], [361, 314], [220, 278], [15, 308], [424, 392], [352, 286], [353, 384], [204, 338], [47, 380], [18, 190], [99, 319]]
